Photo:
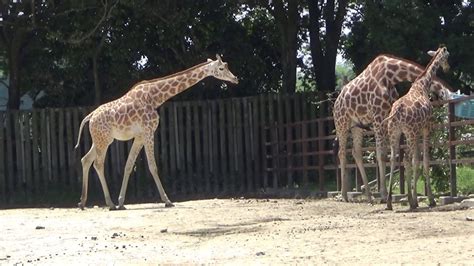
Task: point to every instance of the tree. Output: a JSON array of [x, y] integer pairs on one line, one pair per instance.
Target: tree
[[376, 28], [29, 29], [17, 26], [287, 18], [325, 26]]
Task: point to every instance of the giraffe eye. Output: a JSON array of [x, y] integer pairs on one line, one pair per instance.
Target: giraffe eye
[[221, 68]]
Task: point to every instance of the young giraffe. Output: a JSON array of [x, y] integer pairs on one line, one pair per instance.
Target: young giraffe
[[410, 115], [366, 100], [134, 116]]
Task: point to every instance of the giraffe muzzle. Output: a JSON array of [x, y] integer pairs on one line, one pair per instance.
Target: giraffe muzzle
[[234, 80]]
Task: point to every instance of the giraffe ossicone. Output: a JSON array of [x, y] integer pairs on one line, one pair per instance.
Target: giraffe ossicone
[[411, 115], [134, 116]]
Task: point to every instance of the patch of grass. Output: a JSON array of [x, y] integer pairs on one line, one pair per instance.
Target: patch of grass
[[465, 180], [420, 185]]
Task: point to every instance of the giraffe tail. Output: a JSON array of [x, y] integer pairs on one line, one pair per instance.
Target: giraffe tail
[[335, 146], [385, 121], [84, 121]]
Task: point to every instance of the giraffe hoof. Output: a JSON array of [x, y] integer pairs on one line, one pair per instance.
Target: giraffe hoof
[[432, 204], [80, 206], [121, 208], [169, 205], [113, 208]]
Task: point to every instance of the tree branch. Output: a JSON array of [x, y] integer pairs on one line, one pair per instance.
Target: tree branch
[[105, 16]]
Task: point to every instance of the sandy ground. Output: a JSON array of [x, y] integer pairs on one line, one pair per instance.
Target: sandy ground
[[239, 232]]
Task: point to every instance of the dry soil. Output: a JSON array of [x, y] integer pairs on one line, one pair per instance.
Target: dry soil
[[238, 231]]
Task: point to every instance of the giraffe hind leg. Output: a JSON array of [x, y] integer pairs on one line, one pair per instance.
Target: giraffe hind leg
[[415, 165], [342, 138], [381, 156], [132, 157], [394, 150], [426, 166], [357, 136], [86, 161]]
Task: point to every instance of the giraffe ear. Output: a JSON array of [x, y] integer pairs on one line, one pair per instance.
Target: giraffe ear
[[218, 57], [431, 53], [209, 60]]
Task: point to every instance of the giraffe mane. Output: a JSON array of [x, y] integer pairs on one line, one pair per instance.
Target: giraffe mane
[[172, 75], [444, 83], [403, 59], [429, 64]]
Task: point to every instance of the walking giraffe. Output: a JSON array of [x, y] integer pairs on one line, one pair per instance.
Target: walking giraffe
[[366, 100], [411, 115], [134, 116]]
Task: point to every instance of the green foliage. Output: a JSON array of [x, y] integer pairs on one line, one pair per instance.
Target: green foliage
[[168, 36], [344, 73], [165, 36], [465, 180], [410, 28]]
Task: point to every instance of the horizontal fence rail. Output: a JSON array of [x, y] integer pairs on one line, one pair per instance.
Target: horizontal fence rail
[[299, 148]]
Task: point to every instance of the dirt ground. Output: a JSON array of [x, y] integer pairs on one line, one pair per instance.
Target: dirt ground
[[239, 231]]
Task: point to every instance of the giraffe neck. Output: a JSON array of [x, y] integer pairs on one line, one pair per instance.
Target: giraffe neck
[[426, 77], [395, 70], [160, 90], [400, 70]]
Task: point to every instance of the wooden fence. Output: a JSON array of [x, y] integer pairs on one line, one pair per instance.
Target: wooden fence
[[301, 150], [204, 149]]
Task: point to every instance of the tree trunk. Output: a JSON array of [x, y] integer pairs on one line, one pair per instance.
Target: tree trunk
[[95, 72], [14, 57], [288, 23], [324, 46]]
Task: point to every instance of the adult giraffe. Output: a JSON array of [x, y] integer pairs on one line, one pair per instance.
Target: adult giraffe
[[412, 115], [134, 116], [366, 100]]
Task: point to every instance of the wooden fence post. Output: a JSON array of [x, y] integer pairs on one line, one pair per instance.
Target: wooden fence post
[[320, 154], [305, 143], [264, 137], [289, 140], [273, 141], [321, 134], [3, 172], [452, 151]]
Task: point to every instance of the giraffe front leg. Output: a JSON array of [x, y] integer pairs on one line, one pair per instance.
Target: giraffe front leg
[[132, 157], [86, 162], [409, 175], [150, 155], [99, 167]]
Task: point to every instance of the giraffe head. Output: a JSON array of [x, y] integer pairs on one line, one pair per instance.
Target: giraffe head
[[220, 70], [442, 55]]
